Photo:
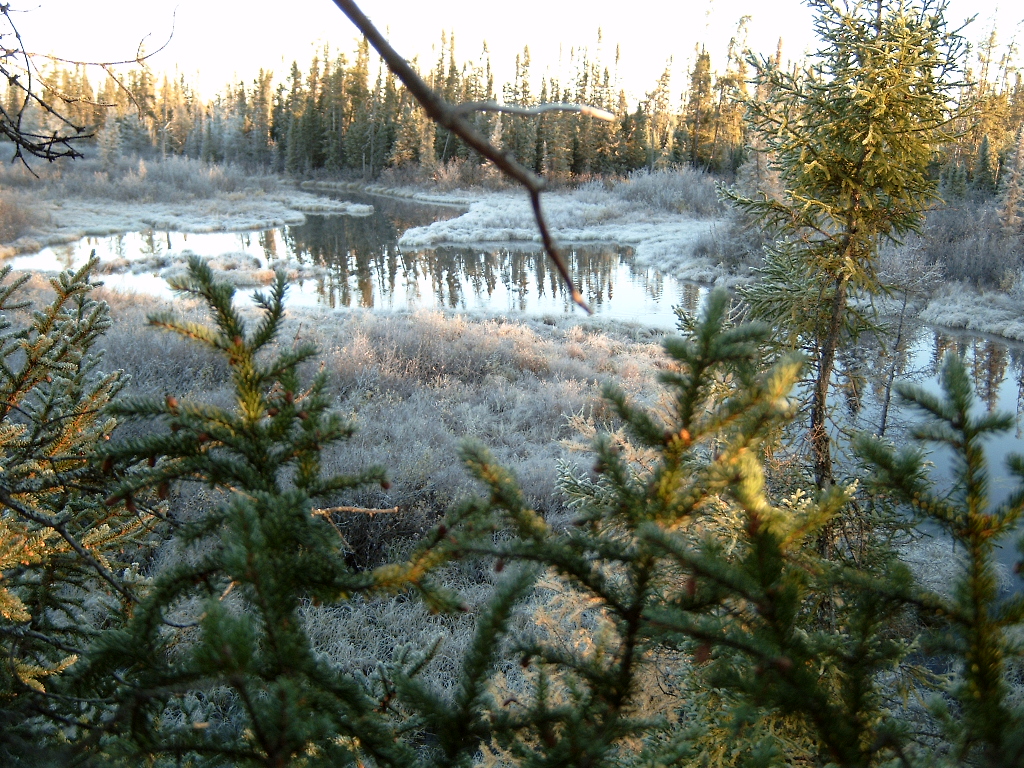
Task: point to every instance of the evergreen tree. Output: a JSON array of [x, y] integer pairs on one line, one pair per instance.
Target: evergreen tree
[[699, 123], [1011, 197], [60, 544], [266, 547], [634, 151], [986, 169], [358, 129], [294, 105], [853, 135], [660, 123], [971, 623]]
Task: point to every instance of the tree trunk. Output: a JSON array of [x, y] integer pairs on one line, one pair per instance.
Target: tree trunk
[[821, 443]]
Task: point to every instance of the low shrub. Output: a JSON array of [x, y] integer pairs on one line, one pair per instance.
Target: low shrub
[[969, 245], [17, 216]]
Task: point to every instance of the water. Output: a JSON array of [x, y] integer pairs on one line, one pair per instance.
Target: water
[[355, 262], [996, 369]]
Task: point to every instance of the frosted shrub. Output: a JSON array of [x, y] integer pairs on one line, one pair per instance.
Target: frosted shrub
[[16, 216], [969, 245], [1016, 285], [681, 190]]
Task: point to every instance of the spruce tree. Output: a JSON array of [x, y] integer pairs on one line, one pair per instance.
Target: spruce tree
[[972, 626], [986, 169], [228, 618], [852, 135], [1011, 196], [60, 544], [698, 116]]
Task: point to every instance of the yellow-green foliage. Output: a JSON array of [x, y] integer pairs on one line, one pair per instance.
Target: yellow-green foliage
[[59, 542]]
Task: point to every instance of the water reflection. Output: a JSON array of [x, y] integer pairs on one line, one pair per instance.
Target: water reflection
[[355, 262], [360, 264], [915, 355]]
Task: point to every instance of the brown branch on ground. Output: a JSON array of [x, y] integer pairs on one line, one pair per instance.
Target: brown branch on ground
[[453, 117], [355, 511]]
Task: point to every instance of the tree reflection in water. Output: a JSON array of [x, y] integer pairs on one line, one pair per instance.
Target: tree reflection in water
[[365, 268]]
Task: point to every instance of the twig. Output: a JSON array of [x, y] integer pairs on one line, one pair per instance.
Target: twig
[[355, 511], [454, 119], [468, 107]]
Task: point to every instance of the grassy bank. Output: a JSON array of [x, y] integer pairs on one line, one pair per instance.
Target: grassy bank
[[416, 385]]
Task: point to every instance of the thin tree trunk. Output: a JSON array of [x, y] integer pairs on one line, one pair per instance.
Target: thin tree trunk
[[821, 443], [892, 369]]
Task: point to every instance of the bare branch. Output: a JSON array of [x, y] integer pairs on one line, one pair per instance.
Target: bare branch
[[355, 511], [492, 106], [18, 67], [140, 57], [450, 117]]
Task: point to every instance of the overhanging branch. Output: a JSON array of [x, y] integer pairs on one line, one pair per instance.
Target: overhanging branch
[[453, 117]]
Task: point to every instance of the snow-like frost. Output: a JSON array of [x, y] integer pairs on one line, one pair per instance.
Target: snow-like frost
[[662, 240], [72, 219], [960, 307], [454, 199]]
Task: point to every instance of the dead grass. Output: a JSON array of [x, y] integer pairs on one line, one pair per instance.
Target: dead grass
[[18, 215], [968, 244], [416, 385], [134, 180], [675, 190]]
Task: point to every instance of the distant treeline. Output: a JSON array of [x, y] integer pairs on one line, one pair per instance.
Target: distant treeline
[[338, 116]]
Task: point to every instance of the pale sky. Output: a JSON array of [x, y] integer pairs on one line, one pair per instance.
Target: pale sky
[[217, 41]]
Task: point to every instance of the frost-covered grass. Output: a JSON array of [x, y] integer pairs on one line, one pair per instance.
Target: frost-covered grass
[[997, 313], [679, 190], [664, 232], [416, 385], [18, 215], [75, 200]]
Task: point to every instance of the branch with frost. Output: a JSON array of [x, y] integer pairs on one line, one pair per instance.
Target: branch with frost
[[453, 117], [468, 107], [18, 67]]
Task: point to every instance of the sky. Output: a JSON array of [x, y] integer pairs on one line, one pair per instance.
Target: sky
[[214, 42]]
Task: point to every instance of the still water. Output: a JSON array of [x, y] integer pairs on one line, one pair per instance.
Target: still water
[[355, 262], [869, 373]]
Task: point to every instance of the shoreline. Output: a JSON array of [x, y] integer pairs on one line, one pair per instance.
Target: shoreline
[[662, 240]]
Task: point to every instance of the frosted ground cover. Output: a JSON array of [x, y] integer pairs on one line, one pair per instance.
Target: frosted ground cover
[[1000, 314], [73, 219], [660, 239]]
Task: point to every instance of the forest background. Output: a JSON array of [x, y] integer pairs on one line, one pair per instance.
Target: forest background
[[343, 115]]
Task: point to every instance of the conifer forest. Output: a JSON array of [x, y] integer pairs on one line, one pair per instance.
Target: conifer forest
[[240, 530]]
